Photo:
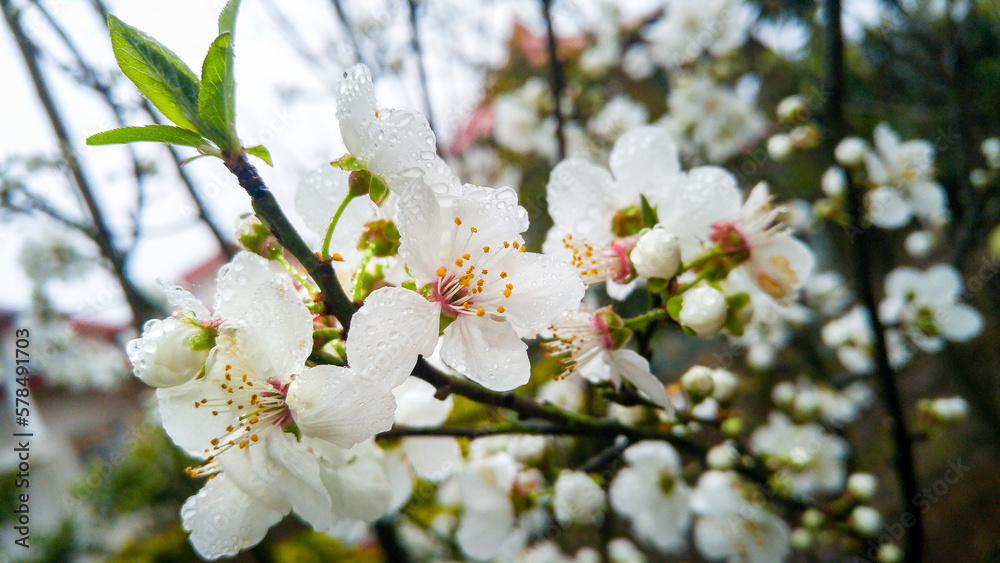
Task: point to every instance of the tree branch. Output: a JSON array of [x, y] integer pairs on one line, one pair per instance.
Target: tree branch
[[556, 78], [418, 52]]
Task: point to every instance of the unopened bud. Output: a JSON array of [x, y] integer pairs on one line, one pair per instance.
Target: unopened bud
[[698, 383], [703, 310], [792, 108], [779, 147], [834, 182], [865, 520], [657, 254], [851, 152], [805, 136], [862, 486], [722, 457], [255, 237]]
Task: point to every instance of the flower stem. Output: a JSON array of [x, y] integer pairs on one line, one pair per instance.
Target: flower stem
[[325, 252], [641, 320]]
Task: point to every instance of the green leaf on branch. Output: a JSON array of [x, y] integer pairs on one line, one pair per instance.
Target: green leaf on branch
[[158, 73], [217, 98], [227, 19], [649, 216], [733, 324], [261, 152], [657, 285], [153, 133]]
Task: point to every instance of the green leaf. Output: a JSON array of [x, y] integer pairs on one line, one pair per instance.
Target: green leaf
[[260, 152], [737, 301], [153, 133], [649, 217], [657, 285], [227, 19], [217, 98], [158, 73], [734, 325]]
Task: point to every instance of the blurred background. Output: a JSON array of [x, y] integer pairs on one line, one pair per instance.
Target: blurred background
[[85, 232]]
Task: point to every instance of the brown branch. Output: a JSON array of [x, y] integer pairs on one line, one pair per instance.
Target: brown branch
[[556, 78]]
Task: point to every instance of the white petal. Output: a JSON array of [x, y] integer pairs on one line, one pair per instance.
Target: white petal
[[486, 351], [960, 323], [223, 520], [494, 213], [434, 458], [581, 200], [388, 332], [901, 281], [656, 455], [356, 109], [635, 368], [359, 488], [416, 404], [929, 201], [236, 283], [940, 284], [645, 161], [335, 404], [182, 301], [402, 145], [482, 533], [887, 208], [303, 486], [319, 195], [420, 228], [544, 288], [191, 428], [886, 140], [277, 329], [707, 194]]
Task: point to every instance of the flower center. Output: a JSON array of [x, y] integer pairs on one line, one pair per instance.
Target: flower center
[[595, 266], [256, 409], [729, 238], [471, 285], [577, 341]]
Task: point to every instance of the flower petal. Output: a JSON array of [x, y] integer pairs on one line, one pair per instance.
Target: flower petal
[[402, 146], [960, 323], [223, 520], [236, 283], [356, 109], [645, 161], [420, 229], [887, 208], [277, 330], [493, 212], [391, 329], [335, 404], [416, 404], [635, 368], [433, 458], [543, 288], [359, 487], [182, 301], [581, 200], [486, 351]]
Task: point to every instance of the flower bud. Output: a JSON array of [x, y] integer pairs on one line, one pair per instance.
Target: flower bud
[[805, 136], [792, 108], [991, 150], [698, 383], [732, 427], [947, 410], [802, 539], [889, 553], [657, 254], [813, 518], [578, 499], [170, 352], [851, 152], [865, 520], [255, 237], [703, 310], [979, 178], [722, 457], [784, 394], [834, 182], [919, 243], [862, 486], [779, 147], [725, 385]]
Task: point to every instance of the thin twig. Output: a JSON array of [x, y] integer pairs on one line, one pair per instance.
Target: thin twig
[[556, 77], [349, 30], [142, 308], [418, 53]]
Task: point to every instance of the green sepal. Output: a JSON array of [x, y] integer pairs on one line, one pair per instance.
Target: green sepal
[[649, 215], [377, 190], [217, 97], [733, 324], [674, 305], [293, 429], [349, 163], [149, 133], [204, 340], [158, 73], [409, 284], [619, 337], [261, 152], [657, 285], [737, 301]]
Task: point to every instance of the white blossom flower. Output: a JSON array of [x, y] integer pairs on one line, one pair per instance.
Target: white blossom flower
[[470, 262], [752, 234], [593, 209], [862, 486], [519, 120], [395, 145], [578, 499], [651, 493], [689, 29], [173, 350], [710, 121], [488, 517], [904, 174], [53, 255], [731, 526], [926, 306], [865, 520], [592, 342], [433, 457], [621, 550], [619, 115], [273, 432], [807, 460]]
